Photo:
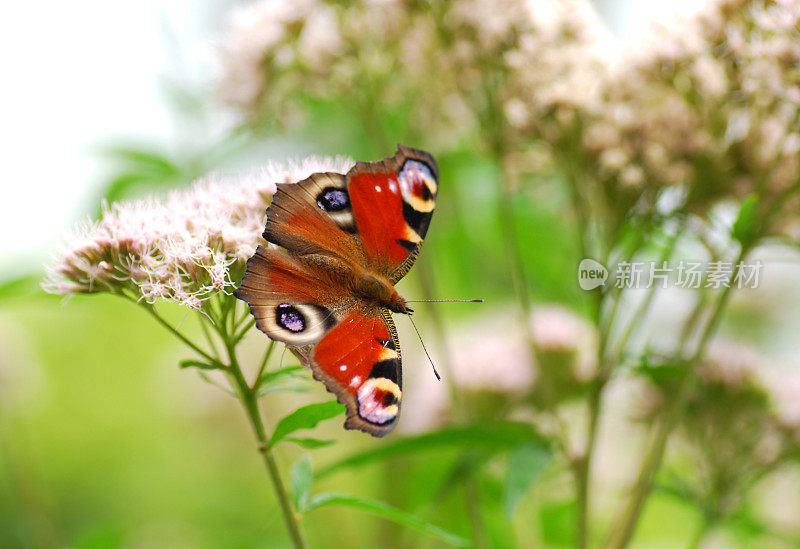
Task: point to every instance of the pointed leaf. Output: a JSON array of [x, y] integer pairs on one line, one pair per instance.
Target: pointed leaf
[[277, 388], [196, 364], [302, 476], [388, 512], [490, 437], [525, 464], [306, 417], [289, 371], [310, 443], [745, 228]]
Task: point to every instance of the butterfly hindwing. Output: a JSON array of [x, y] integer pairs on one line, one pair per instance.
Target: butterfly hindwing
[[353, 349], [291, 300], [359, 361]]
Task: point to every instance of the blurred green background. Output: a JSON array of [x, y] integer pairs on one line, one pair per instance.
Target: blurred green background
[[104, 442]]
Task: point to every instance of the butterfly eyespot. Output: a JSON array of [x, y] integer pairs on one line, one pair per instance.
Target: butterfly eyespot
[[333, 200], [378, 400], [418, 186], [288, 317]]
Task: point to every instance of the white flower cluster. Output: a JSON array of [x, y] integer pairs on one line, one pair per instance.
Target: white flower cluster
[[184, 248], [436, 63], [711, 103], [275, 51]]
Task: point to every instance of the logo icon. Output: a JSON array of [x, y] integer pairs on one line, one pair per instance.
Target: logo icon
[[591, 274]]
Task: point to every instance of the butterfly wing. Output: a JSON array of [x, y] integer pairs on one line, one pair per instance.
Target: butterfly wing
[[290, 299], [359, 361], [352, 348], [372, 219], [392, 202], [314, 216]]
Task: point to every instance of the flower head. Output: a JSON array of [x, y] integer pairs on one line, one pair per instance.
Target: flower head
[[709, 103], [184, 247], [491, 363]]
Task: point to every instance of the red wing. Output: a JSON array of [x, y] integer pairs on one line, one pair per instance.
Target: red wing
[[359, 361], [392, 203]]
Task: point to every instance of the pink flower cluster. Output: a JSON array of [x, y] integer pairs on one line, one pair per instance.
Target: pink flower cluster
[[185, 247]]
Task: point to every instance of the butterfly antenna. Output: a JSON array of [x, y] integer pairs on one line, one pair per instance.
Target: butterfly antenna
[[477, 300], [425, 349]]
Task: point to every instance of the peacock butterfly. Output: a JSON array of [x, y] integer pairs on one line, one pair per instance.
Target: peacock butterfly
[[329, 294]]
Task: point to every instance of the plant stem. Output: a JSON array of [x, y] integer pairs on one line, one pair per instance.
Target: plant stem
[[701, 532], [474, 507], [605, 366], [623, 529], [250, 403], [150, 309], [249, 399]]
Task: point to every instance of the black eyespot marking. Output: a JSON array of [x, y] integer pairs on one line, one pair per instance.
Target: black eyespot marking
[[388, 399], [288, 317], [407, 244], [333, 200], [326, 315], [419, 221], [425, 193], [387, 369]]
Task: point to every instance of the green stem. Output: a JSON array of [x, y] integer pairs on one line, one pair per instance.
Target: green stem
[[624, 527], [267, 354], [474, 508], [238, 337], [644, 307], [700, 534], [250, 403], [249, 400], [150, 309]]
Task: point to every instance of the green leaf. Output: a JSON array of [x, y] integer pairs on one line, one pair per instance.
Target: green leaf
[[119, 186], [493, 437], [301, 479], [310, 443], [745, 228], [277, 388], [557, 523], [146, 162], [290, 371], [21, 286], [465, 467], [306, 417], [525, 465], [196, 364], [386, 511]]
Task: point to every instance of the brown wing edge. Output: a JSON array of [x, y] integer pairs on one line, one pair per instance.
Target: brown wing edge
[[396, 161], [298, 196], [353, 420]]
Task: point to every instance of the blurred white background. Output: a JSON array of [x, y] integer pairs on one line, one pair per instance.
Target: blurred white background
[[81, 74]]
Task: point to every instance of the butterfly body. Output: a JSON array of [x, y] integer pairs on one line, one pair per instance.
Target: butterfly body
[[329, 295]]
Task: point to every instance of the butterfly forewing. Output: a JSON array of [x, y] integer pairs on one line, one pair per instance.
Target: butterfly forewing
[[393, 202]]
